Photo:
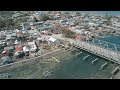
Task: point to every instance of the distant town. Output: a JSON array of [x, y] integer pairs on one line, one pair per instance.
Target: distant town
[[27, 35]]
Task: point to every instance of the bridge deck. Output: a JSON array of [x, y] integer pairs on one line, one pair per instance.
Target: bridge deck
[[98, 50]]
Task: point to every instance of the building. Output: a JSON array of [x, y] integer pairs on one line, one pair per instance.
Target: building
[[5, 60], [26, 50], [54, 41], [32, 46], [5, 53], [19, 52]]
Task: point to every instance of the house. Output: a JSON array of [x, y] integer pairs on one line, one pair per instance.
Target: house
[[19, 52], [17, 42], [5, 53], [8, 37], [9, 48], [78, 31], [26, 50], [55, 41], [2, 36], [5, 60], [1, 48], [32, 46], [2, 42], [16, 15], [14, 34], [10, 43], [20, 34], [40, 40]]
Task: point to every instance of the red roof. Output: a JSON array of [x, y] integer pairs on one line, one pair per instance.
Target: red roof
[[5, 53], [79, 37], [20, 33], [19, 49]]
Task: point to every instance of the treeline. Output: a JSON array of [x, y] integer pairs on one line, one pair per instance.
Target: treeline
[[6, 22]]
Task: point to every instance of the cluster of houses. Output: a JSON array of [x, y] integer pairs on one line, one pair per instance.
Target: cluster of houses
[[15, 44], [81, 24]]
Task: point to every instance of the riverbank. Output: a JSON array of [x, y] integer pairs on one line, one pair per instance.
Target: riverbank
[[38, 66]]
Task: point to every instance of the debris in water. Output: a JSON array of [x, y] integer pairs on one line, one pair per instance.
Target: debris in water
[[47, 73]]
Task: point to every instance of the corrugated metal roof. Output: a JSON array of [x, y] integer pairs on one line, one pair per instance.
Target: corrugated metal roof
[[52, 39]]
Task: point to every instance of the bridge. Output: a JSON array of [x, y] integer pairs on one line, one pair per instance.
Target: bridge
[[100, 48]]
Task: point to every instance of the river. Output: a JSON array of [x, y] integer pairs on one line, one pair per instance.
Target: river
[[75, 67]]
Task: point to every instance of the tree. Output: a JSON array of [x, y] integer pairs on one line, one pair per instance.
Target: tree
[[108, 17], [2, 22], [44, 18], [68, 33], [35, 19], [9, 22], [78, 14]]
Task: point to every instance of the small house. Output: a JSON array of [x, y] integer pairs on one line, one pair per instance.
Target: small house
[[20, 34], [14, 34], [32, 46], [55, 41], [5, 60], [26, 50], [5, 53], [9, 48], [19, 52]]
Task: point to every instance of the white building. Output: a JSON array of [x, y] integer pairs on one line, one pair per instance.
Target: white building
[[32, 45]]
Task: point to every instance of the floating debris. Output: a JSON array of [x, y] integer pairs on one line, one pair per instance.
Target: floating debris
[[5, 76], [111, 77], [55, 59], [94, 60], [79, 53], [115, 71], [86, 57], [104, 65], [47, 73]]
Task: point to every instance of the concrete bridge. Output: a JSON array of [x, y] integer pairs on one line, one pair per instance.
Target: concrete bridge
[[100, 48]]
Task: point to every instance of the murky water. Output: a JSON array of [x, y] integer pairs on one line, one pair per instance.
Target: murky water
[[76, 68]]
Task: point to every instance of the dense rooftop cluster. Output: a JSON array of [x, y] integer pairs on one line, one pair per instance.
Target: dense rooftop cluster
[[26, 39]]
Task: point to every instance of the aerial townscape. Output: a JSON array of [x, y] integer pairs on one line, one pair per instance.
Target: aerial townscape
[[59, 45]]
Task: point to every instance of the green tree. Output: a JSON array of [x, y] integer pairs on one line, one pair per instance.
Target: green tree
[[68, 33], [35, 19], [78, 14], [44, 18], [2, 22]]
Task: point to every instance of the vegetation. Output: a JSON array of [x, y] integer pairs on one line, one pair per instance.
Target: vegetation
[[35, 19], [108, 17], [44, 18], [68, 33], [6, 22], [48, 47], [78, 14]]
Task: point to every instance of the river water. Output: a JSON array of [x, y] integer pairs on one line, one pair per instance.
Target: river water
[[75, 67]]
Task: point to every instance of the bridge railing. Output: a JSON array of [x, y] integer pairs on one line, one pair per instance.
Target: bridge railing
[[100, 49]]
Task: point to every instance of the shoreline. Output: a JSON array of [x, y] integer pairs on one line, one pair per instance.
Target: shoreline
[[28, 68]]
